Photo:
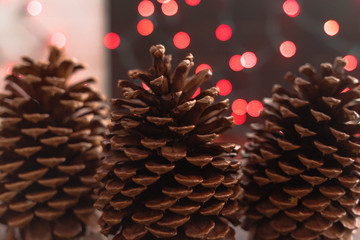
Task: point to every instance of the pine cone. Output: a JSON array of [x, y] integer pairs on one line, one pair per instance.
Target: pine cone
[[51, 132], [164, 175], [301, 176]]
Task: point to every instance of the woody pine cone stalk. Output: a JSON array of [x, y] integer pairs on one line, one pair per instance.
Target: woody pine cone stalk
[[163, 174]]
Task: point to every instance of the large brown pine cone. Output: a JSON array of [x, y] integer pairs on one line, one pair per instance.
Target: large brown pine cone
[[302, 178], [51, 132], [164, 175]]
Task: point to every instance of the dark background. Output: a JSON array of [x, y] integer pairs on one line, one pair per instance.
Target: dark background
[[259, 26]]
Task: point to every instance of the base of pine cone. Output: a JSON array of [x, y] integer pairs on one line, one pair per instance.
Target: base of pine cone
[[91, 234], [243, 235]]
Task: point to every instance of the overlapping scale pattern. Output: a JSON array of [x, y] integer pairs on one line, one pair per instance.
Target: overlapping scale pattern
[[164, 175], [302, 175], [50, 141]]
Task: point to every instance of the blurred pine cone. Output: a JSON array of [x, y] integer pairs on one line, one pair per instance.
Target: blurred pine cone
[[164, 175], [51, 132], [301, 177]]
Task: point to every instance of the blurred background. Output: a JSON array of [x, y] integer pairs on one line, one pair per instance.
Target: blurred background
[[249, 45], [27, 28]]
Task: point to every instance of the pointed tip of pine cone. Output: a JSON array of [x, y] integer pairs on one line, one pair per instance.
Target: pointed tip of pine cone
[[307, 69], [207, 73], [157, 50], [339, 65], [289, 76], [55, 54], [185, 64], [190, 57], [339, 62], [55, 48], [304, 66]]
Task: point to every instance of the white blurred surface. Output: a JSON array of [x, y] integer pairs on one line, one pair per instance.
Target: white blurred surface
[[83, 22], [240, 234]]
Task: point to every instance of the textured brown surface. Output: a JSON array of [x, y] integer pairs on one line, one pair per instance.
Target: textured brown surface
[[164, 175], [49, 147], [92, 235], [302, 178]]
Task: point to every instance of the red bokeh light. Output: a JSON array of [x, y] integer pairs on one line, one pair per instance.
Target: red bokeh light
[[331, 27], [196, 93], [248, 60], [254, 108], [34, 8], [193, 2], [181, 40], [170, 8], [145, 27], [202, 67], [111, 40], [163, 1], [224, 86], [146, 8], [291, 8], [235, 63], [288, 49], [58, 40], [345, 90], [239, 106], [223, 32], [146, 87], [239, 119], [351, 62]]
